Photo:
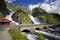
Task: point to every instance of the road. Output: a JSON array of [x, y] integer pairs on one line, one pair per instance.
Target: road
[[4, 34]]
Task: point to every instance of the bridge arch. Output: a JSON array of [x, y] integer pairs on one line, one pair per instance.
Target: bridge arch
[[26, 31], [37, 28]]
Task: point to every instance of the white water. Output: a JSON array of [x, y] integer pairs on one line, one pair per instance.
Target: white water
[[48, 34], [30, 36], [10, 17], [34, 19]]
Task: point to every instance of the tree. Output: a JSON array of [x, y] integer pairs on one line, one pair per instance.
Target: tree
[[3, 8]]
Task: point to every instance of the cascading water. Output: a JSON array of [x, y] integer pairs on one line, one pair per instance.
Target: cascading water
[[34, 19], [30, 36], [10, 17], [48, 34]]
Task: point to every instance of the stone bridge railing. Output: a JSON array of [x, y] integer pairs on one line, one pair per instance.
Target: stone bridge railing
[[31, 27]]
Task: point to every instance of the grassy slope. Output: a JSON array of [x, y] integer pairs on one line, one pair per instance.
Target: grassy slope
[[16, 35], [1, 15], [21, 17]]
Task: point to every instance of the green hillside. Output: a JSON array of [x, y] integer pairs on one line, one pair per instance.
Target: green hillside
[[3, 8], [10, 5], [46, 17], [22, 17]]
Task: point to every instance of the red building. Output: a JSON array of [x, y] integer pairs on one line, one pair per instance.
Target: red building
[[5, 21]]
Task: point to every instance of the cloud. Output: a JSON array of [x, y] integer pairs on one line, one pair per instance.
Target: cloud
[[33, 6], [53, 7], [10, 1], [46, 7]]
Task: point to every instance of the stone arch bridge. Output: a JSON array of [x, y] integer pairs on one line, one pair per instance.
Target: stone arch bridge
[[32, 27]]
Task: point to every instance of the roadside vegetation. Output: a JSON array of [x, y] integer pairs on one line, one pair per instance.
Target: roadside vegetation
[[39, 35], [46, 17], [16, 35]]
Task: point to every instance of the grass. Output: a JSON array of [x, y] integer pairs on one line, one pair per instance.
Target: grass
[[45, 17], [16, 35], [1, 15], [40, 36], [21, 17]]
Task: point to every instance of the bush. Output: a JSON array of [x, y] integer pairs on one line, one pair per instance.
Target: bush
[[1, 15], [40, 36], [21, 17], [16, 35]]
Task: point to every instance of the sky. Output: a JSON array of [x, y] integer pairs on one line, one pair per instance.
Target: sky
[[27, 2], [48, 5]]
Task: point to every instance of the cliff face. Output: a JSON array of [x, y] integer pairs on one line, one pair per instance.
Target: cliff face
[[3, 8]]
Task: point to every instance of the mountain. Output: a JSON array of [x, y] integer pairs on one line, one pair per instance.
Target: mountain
[[46, 17], [10, 5], [22, 8], [21, 15], [3, 8]]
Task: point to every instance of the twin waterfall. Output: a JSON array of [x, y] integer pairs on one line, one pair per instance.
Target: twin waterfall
[[35, 21]]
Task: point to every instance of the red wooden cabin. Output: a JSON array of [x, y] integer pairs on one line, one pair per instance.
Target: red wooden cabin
[[5, 21]]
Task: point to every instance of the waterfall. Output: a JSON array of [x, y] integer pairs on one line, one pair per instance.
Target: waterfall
[[30, 36], [35, 20], [10, 16]]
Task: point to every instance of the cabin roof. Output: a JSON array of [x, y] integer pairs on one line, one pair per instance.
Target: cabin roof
[[5, 20]]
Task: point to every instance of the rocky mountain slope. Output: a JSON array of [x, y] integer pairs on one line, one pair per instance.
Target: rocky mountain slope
[[3, 8], [46, 17]]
